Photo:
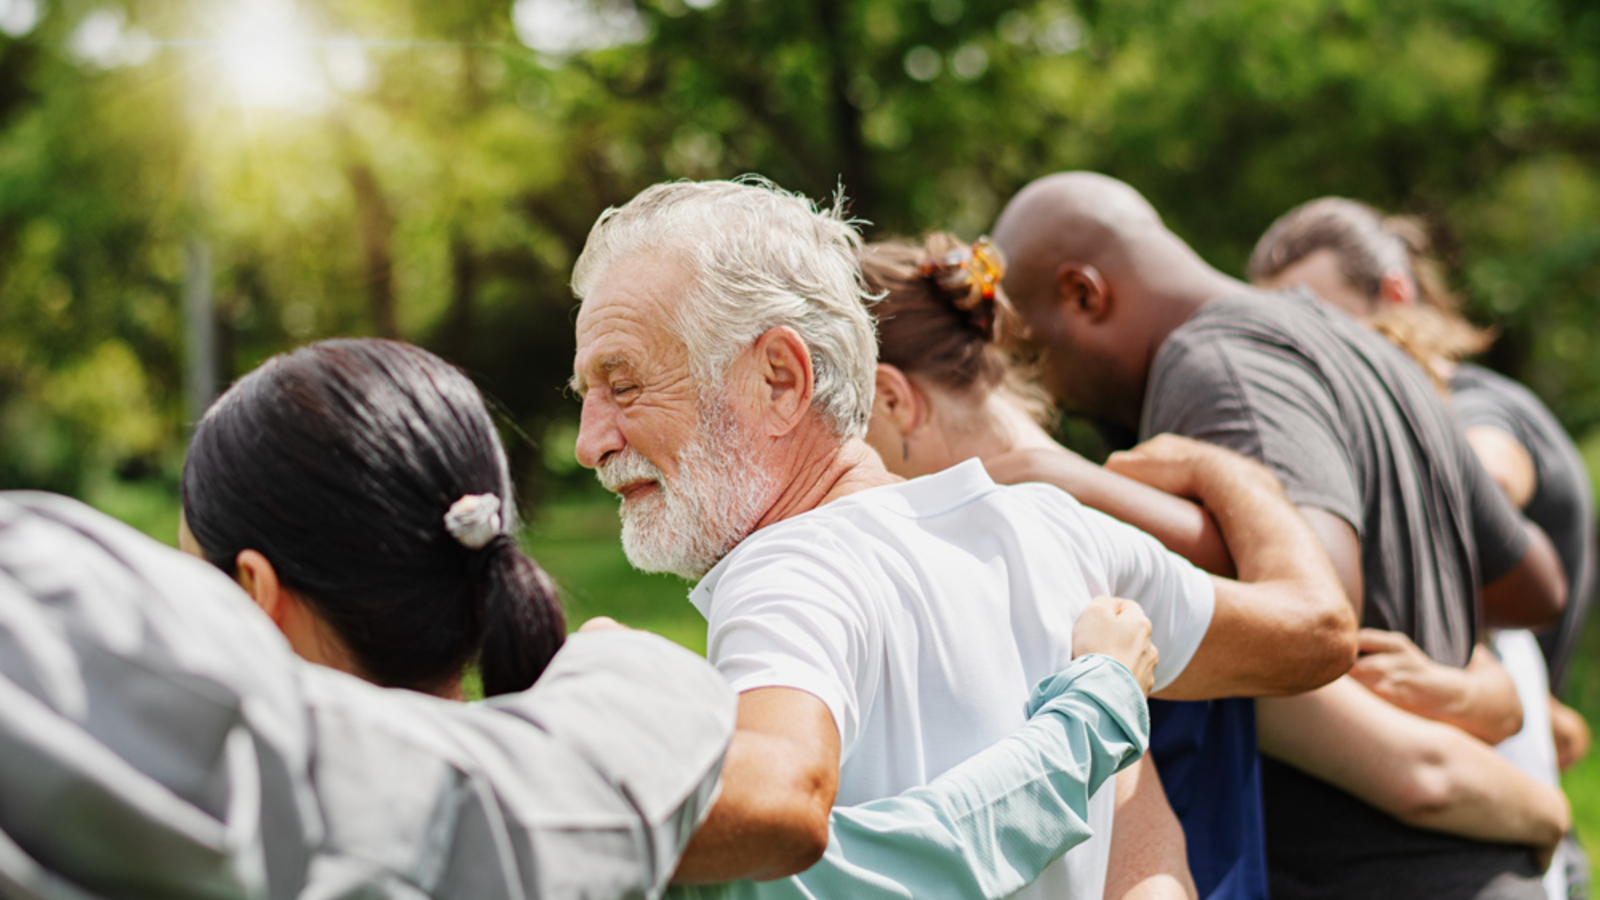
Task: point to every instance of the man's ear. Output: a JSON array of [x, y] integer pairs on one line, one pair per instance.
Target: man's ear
[[783, 365], [898, 401], [1397, 288], [1082, 290], [256, 575]]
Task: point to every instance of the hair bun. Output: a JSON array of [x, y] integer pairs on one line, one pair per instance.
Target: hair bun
[[474, 520], [971, 275]]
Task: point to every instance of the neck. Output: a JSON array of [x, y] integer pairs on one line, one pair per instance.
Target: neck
[[1179, 288], [986, 425], [826, 470]]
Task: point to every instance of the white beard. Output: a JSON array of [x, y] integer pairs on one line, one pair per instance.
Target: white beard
[[693, 520]]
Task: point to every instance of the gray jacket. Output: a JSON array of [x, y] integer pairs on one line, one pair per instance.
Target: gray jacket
[[159, 739]]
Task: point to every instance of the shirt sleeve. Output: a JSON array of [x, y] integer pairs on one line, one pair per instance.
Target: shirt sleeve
[[789, 612], [1177, 596], [989, 826], [1128, 563], [1477, 405], [1268, 403]]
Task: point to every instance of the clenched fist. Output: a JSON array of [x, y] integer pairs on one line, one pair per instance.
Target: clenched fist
[[1119, 629]]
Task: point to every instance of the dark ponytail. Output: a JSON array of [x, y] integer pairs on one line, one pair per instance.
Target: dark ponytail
[[523, 623], [338, 462]]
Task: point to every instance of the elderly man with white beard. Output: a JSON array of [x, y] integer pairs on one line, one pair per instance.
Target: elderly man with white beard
[[879, 631]]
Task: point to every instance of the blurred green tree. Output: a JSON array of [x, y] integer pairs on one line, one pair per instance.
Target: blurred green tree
[[429, 170]]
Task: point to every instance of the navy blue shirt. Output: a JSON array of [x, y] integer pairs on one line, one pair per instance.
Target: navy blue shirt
[[1206, 755]]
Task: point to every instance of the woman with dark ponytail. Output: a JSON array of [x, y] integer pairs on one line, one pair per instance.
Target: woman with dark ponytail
[[358, 491]]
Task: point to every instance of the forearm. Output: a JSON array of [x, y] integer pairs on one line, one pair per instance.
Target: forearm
[[1149, 859], [1422, 772], [1181, 525], [989, 826], [1480, 795], [1533, 593], [1481, 700]]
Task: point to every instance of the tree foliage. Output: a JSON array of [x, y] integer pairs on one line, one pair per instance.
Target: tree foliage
[[441, 183]]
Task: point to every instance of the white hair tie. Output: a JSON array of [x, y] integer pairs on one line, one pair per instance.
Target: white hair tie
[[474, 520]]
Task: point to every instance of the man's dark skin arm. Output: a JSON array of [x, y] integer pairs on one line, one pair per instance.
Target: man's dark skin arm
[[1285, 626], [1533, 593]]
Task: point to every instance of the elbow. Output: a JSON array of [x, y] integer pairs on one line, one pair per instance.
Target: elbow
[[1532, 594], [1422, 792], [1509, 724], [810, 846], [801, 846], [1548, 600], [797, 827], [1333, 646]]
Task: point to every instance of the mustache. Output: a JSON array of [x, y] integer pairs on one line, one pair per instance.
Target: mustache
[[625, 467]]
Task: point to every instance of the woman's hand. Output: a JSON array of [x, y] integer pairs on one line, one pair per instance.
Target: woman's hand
[[1480, 699], [1119, 629]]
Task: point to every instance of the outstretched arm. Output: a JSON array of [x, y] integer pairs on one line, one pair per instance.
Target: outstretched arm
[[1181, 525], [1424, 773], [1286, 625]]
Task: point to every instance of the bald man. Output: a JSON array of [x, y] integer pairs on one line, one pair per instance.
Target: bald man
[[1139, 332]]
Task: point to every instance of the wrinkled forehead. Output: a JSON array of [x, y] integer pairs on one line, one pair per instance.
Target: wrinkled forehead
[[627, 318]]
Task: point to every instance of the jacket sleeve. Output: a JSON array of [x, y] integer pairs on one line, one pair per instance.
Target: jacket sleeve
[[159, 738], [588, 785]]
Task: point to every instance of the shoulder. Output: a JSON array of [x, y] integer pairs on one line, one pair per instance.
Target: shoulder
[[819, 559]]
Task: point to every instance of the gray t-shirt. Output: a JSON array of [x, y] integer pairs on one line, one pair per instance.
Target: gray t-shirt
[[1563, 499], [158, 738], [1351, 426], [1354, 427]]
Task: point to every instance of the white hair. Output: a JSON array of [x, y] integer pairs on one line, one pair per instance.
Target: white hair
[[760, 257]]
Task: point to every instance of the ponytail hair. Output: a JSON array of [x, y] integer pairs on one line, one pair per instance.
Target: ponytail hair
[[523, 622], [346, 463]]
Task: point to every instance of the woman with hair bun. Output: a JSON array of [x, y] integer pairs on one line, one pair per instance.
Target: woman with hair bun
[[949, 388], [358, 491]]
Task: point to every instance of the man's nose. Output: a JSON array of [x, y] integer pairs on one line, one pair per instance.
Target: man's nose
[[598, 435]]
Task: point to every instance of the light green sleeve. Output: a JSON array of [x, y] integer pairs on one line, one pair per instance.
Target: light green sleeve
[[989, 826]]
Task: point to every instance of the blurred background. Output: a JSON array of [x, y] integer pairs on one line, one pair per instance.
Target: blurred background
[[189, 186]]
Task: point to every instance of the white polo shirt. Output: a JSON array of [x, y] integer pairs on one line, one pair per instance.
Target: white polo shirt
[[922, 614]]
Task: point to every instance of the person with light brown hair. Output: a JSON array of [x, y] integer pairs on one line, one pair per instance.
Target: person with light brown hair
[[1380, 269]]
